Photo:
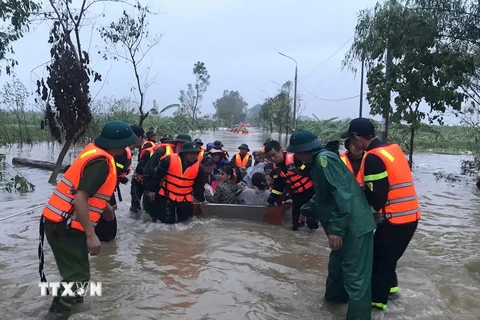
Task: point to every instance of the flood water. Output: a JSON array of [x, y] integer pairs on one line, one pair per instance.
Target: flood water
[[214, 269]]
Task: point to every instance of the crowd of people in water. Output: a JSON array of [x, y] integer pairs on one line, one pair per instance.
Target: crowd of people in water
[[364, 199]]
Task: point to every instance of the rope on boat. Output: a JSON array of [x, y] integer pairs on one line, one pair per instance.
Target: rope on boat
[[22, 212]]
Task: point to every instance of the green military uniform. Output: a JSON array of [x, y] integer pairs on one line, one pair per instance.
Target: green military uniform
[[341, 207], [69, 246]]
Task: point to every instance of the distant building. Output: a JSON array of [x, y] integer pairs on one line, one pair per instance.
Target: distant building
[[305, 118]]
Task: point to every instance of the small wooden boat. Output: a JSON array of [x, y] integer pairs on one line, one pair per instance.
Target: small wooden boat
[[271, 215]]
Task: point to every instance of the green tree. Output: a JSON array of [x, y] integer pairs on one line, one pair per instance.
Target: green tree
[[14, 97], [16, 13], [404, 54], [131, 33], [190, 100], [66, 91], [231, 107]]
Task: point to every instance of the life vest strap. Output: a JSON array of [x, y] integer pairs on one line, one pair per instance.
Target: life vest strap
[[400, 214], [69, 216], [73, 191], [180, 178], [41, 257]]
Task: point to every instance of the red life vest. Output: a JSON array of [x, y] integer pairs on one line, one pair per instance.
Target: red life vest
[[296, 182]]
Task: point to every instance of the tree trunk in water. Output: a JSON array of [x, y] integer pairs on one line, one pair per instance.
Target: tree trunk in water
[[410, 156], [58, 164]]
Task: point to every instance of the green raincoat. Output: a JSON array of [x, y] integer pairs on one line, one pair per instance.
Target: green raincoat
[[340, 205]]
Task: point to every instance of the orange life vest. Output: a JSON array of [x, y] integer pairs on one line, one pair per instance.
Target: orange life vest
[[347, 162], [296, 182], [151, 150], [148, 144], [124, 168], [402, 203], [239, 162], [176, 184], [60, 205]]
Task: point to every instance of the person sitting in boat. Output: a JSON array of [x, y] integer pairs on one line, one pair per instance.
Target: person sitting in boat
[[242, 159], [258, 194], [218, 157], [225, 191], [208, 164], [258, 167], [175, 180], [199, 142], [269, 182], [217, 144]]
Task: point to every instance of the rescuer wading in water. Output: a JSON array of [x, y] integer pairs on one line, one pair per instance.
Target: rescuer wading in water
[[390, 191], [107, 230], [136, 190], [174, 182], [288, 172], [345, 215], [77, 204]]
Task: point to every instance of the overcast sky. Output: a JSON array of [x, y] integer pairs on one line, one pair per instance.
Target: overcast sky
[[238, 40]]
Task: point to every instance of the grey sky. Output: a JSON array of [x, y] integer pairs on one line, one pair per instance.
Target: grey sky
[[239, 42]]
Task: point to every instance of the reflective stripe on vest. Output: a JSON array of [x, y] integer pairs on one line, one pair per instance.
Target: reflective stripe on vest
[[176, 184], [296, 182], [239, 162], [402, 203], [60, 205]]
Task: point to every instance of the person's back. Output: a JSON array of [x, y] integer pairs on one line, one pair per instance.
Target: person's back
[[361, 217], [253, 197], [258, 194]]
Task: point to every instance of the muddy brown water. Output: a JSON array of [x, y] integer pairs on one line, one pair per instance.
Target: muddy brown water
[[214, 269]]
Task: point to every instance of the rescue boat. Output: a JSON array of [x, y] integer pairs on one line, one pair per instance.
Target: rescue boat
[[270, 215]]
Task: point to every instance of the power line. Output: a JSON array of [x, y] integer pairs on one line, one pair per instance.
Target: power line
[[333, 100], [325, 80], [343, 45]]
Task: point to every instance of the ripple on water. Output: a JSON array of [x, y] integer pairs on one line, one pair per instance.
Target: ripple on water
[[219, 269]]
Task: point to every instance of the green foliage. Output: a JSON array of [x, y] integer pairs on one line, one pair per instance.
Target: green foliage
[[16, 14], [277, 111], [231, 108], [13, 98], [429, 138], [17, 183], [189, 108], [131, 33], [405, 54]]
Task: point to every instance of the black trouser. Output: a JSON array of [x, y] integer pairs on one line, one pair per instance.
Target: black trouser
[[106, 231], [390, 242], [166, 211], [136, 192], [298, 200]]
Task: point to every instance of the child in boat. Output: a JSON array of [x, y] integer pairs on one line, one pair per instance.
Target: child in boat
[[226, 190], [258, 194]]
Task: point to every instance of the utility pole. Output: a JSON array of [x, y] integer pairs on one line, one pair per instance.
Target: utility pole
[[361, 89], [386, 107], [294, 127]]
